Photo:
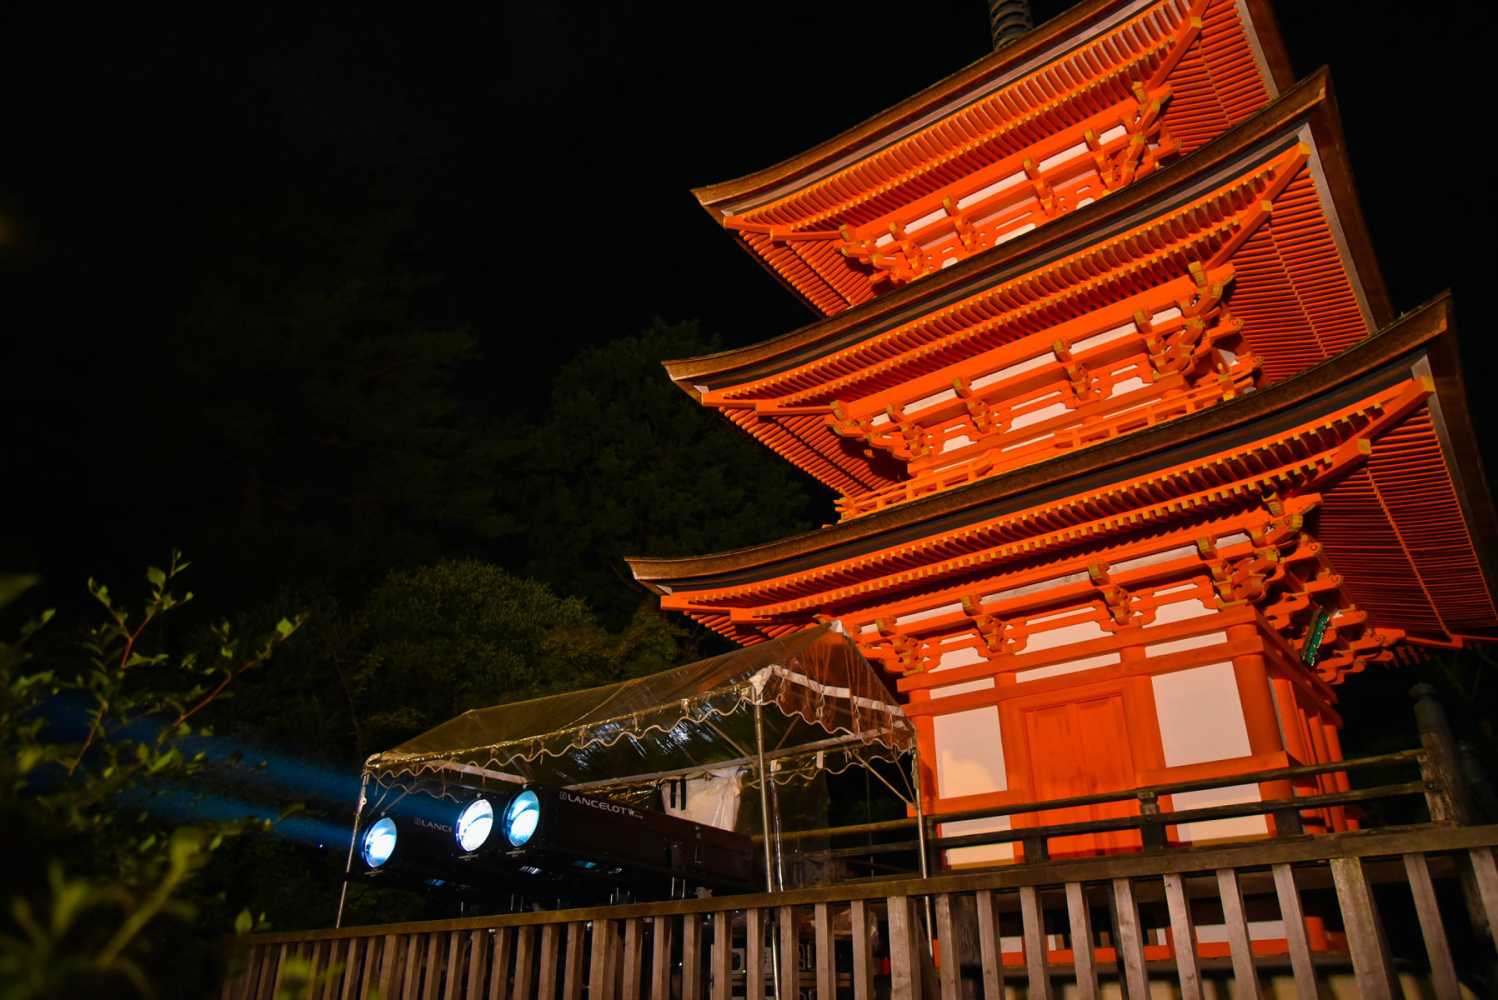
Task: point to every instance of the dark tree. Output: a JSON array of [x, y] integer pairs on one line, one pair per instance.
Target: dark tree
[[625, 464]]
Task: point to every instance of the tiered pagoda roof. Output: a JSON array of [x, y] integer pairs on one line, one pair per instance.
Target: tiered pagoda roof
[[1072, 112], [1239, 265], [1357, 481], [1108, 381]]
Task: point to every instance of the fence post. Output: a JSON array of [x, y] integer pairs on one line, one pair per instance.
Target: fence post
[[1152, 832], [1440, 767]]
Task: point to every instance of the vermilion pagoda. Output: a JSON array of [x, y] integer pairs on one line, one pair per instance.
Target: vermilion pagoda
[[1136, 464]]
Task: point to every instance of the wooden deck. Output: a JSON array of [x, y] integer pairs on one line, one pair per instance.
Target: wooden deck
[[1007, 927]]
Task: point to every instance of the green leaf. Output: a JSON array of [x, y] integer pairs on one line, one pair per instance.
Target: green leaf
[[244, 923], [156, 576], [284, 628]]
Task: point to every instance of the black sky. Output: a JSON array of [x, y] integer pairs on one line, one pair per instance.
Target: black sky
[[539, 156]]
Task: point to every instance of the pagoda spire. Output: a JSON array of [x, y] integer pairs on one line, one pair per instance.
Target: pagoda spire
[[1008, 19]]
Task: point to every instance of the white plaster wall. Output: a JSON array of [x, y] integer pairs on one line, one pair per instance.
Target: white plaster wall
[[1201, 719]]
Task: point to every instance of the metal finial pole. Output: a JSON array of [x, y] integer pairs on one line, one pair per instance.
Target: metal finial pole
[[1008, 19]]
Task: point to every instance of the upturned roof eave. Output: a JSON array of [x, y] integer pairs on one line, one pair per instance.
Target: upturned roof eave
[[1052, 34], [1309, 100], [1417, 329]]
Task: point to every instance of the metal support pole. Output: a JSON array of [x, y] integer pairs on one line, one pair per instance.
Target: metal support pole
[[353, 837], [920, 836], [764, 822]]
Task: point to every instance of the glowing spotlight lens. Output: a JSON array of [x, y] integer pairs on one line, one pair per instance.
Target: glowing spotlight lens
[[474, 824], [379, 842], [521, 818]]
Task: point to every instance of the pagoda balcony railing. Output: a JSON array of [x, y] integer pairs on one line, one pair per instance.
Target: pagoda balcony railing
[[1148, 816], [965, 933]]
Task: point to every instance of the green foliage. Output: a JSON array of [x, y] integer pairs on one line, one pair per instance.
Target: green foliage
[[97, 870], [625, 464], [464, 634]]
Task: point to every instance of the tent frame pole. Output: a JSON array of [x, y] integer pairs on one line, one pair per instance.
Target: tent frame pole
[[348, 863], [764, 822], [920, 835]]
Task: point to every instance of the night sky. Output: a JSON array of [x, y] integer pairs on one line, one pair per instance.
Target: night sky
[[538, 159]]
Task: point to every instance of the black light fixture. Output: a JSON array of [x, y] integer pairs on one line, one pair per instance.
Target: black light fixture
[[549, 843]]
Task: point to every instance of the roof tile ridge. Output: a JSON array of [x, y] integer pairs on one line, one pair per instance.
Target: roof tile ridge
[[1008, 90]]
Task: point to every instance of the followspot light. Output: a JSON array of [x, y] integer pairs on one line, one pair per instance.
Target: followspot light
[[379, 842], [474, 824], [521, 818]]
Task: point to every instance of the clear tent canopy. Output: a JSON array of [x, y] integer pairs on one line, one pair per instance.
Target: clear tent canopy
[[808, 702]]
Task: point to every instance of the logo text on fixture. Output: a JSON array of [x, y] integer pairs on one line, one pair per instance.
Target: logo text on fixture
[[612, 807]]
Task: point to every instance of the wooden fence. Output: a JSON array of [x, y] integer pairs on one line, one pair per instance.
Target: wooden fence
[[1307, 905], [1304, 791]]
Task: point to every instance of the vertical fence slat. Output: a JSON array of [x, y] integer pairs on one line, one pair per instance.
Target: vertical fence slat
[[356, 952], [722, 956], [826, 958], [477, 950], [1485, 873], [660, 959], [248, 985], [572, 961], [614, 971], [452, 978], [338, 963], [350, 974], [1083, 959], [413, 964], [499, 968], [1130, 938], [546, 975], [1240, 946], [1037, 962], [599, 983], [339, 954], [432, 967], [372, 951], [525, 944], [1183, 937], [314, 963], [281, 956], [322, 964], [270, 979], [863, 959], [633, 947], [949, 978], [790, 951], [1295, 932], [905, 969], [988, 947], [1365, 938], [242, 986], [1432, 929], [691, 957], [754, 954], [388, 960]]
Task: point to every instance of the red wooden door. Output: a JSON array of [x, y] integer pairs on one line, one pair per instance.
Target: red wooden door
[[1080, 748]]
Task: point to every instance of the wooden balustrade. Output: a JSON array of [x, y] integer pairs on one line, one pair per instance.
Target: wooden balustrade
[[1151, 821], [1020, 925]]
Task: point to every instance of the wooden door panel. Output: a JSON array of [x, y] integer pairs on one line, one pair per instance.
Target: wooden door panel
[[1080, 748]]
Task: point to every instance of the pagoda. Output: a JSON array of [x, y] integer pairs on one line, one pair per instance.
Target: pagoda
[[1136, 465]]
